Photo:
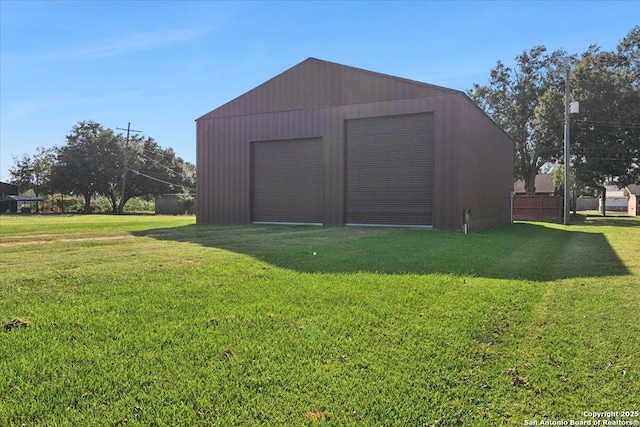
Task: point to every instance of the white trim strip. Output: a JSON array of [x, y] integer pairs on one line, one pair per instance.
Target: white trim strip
[[426, 227], [285, 223]]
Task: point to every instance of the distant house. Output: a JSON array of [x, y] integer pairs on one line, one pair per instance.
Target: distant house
[[616, 201], [324, 143], [633, 193], [543, 183], [9, 200], [7, 203]]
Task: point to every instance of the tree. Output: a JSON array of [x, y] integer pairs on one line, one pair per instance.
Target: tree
[[513, 99], [89, 163], [153, 171], [33, 173], [92, 163], [605, 135], [558, 184], [22, 172]]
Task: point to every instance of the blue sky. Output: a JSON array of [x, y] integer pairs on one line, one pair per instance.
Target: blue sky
[[162, 64]]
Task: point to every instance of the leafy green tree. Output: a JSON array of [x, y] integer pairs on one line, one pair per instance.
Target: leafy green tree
[[188, 171], [89, 163], [605, 135], [153, 171], [33, 173], [22, 172], [513, 98], [186, 200]]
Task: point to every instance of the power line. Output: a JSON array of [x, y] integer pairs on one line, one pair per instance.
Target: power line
[[162, 175], [160, 164], [159, 180], [609, 124], [158, 153]]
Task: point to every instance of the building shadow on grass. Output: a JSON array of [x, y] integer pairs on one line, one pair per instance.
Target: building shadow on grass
[[616, 220], [517, 251]]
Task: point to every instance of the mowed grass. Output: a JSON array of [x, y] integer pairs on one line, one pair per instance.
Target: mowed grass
[[152, 320]]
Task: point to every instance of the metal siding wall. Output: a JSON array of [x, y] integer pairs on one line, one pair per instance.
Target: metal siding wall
[[217, 136], [204, 173], [201, 171], [487, 168], [219, 179], [211, 181], [224, 157], [207, 195], [447, 170], [390, 164]]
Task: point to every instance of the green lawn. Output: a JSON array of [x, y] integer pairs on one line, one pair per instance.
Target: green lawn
[[154, 321]]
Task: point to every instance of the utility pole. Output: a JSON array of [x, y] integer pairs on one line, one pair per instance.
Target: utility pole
[[125, 169], [570, 107], [567, 127]]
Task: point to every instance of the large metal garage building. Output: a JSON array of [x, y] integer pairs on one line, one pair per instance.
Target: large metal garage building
[[324, 143]]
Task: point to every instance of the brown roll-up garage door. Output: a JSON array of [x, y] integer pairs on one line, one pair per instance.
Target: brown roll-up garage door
[[390, 163], [287, 181]]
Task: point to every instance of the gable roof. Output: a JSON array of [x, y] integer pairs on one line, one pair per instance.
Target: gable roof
[[543, 183], [315, 83], [7, 188], [614, 191], [14, 198], [633, 189]]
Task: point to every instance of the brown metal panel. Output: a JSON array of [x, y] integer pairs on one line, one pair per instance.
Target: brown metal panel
[[211, 169], [486, 160], [224, 200], [315, 83], [333, 137], [338, 167], [287, 181], [204, 166], [200, 173], [389, 170], [236, 167], [218, 176], [446, 186]]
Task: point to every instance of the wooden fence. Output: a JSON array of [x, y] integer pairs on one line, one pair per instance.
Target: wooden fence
[[171, 204], [538, 208], [587, 204]]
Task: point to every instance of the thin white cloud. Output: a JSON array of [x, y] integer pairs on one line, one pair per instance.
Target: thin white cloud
[[137, 41], [28, 108], [140, 41]]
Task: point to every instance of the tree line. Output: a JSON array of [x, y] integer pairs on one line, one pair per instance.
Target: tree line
[[527, 101], [91, 163]]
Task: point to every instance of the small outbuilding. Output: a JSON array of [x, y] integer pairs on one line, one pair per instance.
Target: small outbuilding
[[175, 204], [7, 203], [616, 201], [324, 143], [633, 193]]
